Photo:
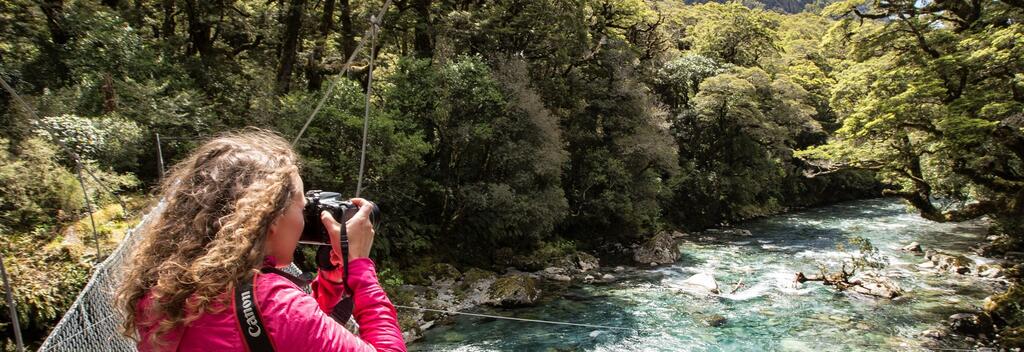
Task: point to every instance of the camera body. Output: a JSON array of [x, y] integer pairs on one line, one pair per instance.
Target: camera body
[[317, 201]]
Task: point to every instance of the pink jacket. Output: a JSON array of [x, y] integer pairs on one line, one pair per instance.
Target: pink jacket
[[294, 320]]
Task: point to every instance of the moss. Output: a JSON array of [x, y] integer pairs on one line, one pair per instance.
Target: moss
[[1007, 307], [514, 290], [427, 272]]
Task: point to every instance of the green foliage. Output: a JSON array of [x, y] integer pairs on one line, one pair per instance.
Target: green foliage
[[331, 155], [503, 128], [735, 34], [735, 144], [112, 138], [34, 188], [866, 255], [491, 175], [679, 79], [45, 282], [935, 109]]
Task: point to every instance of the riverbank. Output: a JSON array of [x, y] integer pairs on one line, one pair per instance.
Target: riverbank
[[768, 311]]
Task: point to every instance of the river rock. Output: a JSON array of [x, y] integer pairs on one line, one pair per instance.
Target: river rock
[[660, 249], [607, 277], [619, 269], [953, 263], [715, 320], [678, 235], [990, 271], [937, 334], [913, 247], [878, 286], [514, 290], [586, 262], [552, 270], [728, 232], [987, 250], [556, 274], [702, 281], [560, 278], [971, 324], [443, 271]]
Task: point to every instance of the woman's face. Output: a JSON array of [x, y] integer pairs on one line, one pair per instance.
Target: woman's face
[[284, 232]]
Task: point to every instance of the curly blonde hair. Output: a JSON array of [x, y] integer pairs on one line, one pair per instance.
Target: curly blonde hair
[[219, 205]]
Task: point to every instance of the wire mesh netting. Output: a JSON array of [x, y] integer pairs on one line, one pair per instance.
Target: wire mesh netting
[[92, 322]]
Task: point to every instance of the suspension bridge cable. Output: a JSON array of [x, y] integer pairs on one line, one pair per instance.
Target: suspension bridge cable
[[501, 317], [374, 25], [344, 70]]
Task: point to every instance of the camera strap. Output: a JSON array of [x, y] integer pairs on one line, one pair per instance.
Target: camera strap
[[250, 323], [254, 332]]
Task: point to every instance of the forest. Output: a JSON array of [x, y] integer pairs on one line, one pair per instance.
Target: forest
[[509, 128]]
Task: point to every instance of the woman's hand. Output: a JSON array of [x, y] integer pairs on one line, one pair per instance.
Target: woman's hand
[[359, 229]]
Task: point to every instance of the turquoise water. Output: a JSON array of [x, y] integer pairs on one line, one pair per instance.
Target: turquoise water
[[769, 312]]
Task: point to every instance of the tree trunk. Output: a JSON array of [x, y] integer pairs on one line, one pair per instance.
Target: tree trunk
[[422, 41], [293, 25], [137, 16], [109, 94], [59, 37], [314, 69], [348, 33], [167, 27], [199, 30]]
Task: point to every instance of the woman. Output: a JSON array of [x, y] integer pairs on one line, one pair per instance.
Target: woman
[[234, 207]]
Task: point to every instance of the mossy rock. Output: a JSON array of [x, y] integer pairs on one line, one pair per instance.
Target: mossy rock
[[514, 290], [952, 262], [473, 275], [428, 273], [1007, 307], [444, 271]]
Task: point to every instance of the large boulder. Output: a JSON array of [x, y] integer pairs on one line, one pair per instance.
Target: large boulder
[[660, 249], [702, 282], [953, 263], [585, 262], [514, 290]]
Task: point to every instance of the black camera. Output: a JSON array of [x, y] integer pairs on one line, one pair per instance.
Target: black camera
[[316, 202]]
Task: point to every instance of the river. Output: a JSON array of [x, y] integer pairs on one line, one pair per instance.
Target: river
[[769, 311]]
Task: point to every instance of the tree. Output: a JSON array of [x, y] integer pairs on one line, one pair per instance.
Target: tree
[[735, 34], [735, 146], [933, 102], [490, 178]]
